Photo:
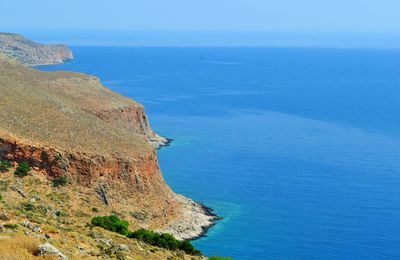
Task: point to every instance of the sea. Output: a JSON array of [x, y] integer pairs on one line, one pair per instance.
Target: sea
[[297, 149]]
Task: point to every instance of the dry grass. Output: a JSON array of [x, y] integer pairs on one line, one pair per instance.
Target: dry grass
[[19, 248], [51, 109]]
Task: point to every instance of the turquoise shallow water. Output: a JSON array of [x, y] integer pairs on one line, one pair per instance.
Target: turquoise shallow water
[[298, 149]]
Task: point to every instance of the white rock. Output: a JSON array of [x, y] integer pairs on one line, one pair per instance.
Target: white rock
[[37, 230], [48, 249], [124, 247]]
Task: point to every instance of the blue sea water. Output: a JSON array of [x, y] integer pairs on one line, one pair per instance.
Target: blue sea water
[[297, 149]]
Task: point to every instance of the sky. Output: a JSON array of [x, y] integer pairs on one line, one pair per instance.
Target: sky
[[365, 17]]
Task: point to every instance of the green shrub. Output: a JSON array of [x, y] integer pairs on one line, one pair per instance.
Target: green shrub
[[5, 166], [60, 181], [167, 241], [112, 223], [60, 214], [22, 170], [220, 258], [10, 226], [58, 157], [28, 206], [187, 247], [164, 240]]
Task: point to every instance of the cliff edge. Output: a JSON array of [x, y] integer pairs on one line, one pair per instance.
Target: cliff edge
[[68, 124], [31, 53]]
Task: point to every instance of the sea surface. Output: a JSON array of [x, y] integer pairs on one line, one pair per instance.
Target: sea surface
[[297, 149]]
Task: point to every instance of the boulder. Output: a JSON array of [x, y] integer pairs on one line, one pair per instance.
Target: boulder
[[49, 250]]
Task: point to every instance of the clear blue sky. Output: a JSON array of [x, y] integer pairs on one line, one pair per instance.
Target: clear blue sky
[[299, 23], [232, 15]]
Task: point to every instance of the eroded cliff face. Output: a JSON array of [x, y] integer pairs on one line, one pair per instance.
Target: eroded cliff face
[[32, 53], [122, 184], [68, 124], [140, 173], [133, 118]]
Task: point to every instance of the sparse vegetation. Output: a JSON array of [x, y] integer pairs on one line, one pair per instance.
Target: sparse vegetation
[[58, 157], [60, 181], [4, 184], [140, 215], [28, 206], [58, 197], [22, 170], [60, 214], [5, 166]]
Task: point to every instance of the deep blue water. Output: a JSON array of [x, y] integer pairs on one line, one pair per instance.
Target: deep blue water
[[298, 149]]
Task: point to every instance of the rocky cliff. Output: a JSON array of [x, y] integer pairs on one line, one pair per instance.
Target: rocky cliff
[[32, 53], [68, 124]]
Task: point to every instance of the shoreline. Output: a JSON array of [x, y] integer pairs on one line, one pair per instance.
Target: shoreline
[[209, 212], [195, 220], [166, 143], [157, 141]]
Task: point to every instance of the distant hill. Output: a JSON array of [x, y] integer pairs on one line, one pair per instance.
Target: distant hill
[[31, 53]]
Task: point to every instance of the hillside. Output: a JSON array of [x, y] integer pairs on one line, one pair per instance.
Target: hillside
[[68, 125], [32, 53]]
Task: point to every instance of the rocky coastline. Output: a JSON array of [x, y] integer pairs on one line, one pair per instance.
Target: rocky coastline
[[196, 221], [209, 212]]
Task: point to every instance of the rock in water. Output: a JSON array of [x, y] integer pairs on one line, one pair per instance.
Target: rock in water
[[49, 250]]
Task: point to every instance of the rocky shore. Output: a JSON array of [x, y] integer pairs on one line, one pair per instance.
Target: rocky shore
[[160, 142], [196, 220]]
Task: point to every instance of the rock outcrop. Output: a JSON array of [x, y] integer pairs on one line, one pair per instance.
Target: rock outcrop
[[32, 53], [133, 118], [68, 124], [49, 250]]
